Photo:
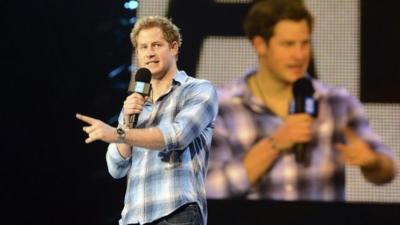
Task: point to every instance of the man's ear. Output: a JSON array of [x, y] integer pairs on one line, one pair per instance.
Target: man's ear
[[174, 48], [259, 45]]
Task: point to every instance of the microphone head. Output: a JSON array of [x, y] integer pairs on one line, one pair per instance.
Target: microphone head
[[303, 87], [141, 84], [143, 75]]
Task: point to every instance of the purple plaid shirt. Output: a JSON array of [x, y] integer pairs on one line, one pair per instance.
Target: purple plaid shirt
[[243, 120]]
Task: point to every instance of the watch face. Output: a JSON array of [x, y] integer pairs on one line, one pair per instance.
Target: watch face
[[120, 131]]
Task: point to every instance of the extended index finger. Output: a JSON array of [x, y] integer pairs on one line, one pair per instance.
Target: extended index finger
[[86, 119]]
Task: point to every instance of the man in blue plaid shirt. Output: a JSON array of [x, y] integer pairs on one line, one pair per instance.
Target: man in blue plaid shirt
[[252, 153], [165, 157]]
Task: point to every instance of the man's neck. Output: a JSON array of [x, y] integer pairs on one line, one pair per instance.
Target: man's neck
[[160, 85], [275, 94], [272, 87]]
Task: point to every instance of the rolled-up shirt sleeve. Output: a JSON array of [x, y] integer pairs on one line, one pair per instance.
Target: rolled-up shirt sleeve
[[359, 123], [118, 167], [197, 112]]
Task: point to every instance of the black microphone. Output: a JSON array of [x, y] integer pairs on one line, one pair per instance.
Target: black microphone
[[304, 101], [142, 86]]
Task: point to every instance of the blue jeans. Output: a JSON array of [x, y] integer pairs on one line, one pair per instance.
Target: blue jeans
[[188, 214]]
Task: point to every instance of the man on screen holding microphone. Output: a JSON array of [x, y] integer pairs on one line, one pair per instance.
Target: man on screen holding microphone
[[281, 134], [164, 155]]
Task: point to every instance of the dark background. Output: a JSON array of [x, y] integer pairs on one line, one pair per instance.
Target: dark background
[[56, 59], [380, 67]]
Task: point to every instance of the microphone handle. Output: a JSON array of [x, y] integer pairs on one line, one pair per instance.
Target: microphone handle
[[300, 151], [133, 119], [301, 154]]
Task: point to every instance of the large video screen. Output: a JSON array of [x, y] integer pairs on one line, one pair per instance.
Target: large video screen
[[214, 48]]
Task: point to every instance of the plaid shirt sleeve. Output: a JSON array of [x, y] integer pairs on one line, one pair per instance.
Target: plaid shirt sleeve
[[198, 109], [118, 167], [355, 119]]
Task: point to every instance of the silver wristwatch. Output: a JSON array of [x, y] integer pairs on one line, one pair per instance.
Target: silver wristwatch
[[121, 133]]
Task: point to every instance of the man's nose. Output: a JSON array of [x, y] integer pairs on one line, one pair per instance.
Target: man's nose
[[301, 52], [150, 52]]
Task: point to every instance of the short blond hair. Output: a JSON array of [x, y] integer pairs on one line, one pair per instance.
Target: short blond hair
[[170, 30]]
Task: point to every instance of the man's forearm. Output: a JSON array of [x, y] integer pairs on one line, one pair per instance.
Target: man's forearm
[[259, 159], [124, 150], [150, 138]]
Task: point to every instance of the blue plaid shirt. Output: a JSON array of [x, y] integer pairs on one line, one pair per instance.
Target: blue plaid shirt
[[159, 182], [243, 120]]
